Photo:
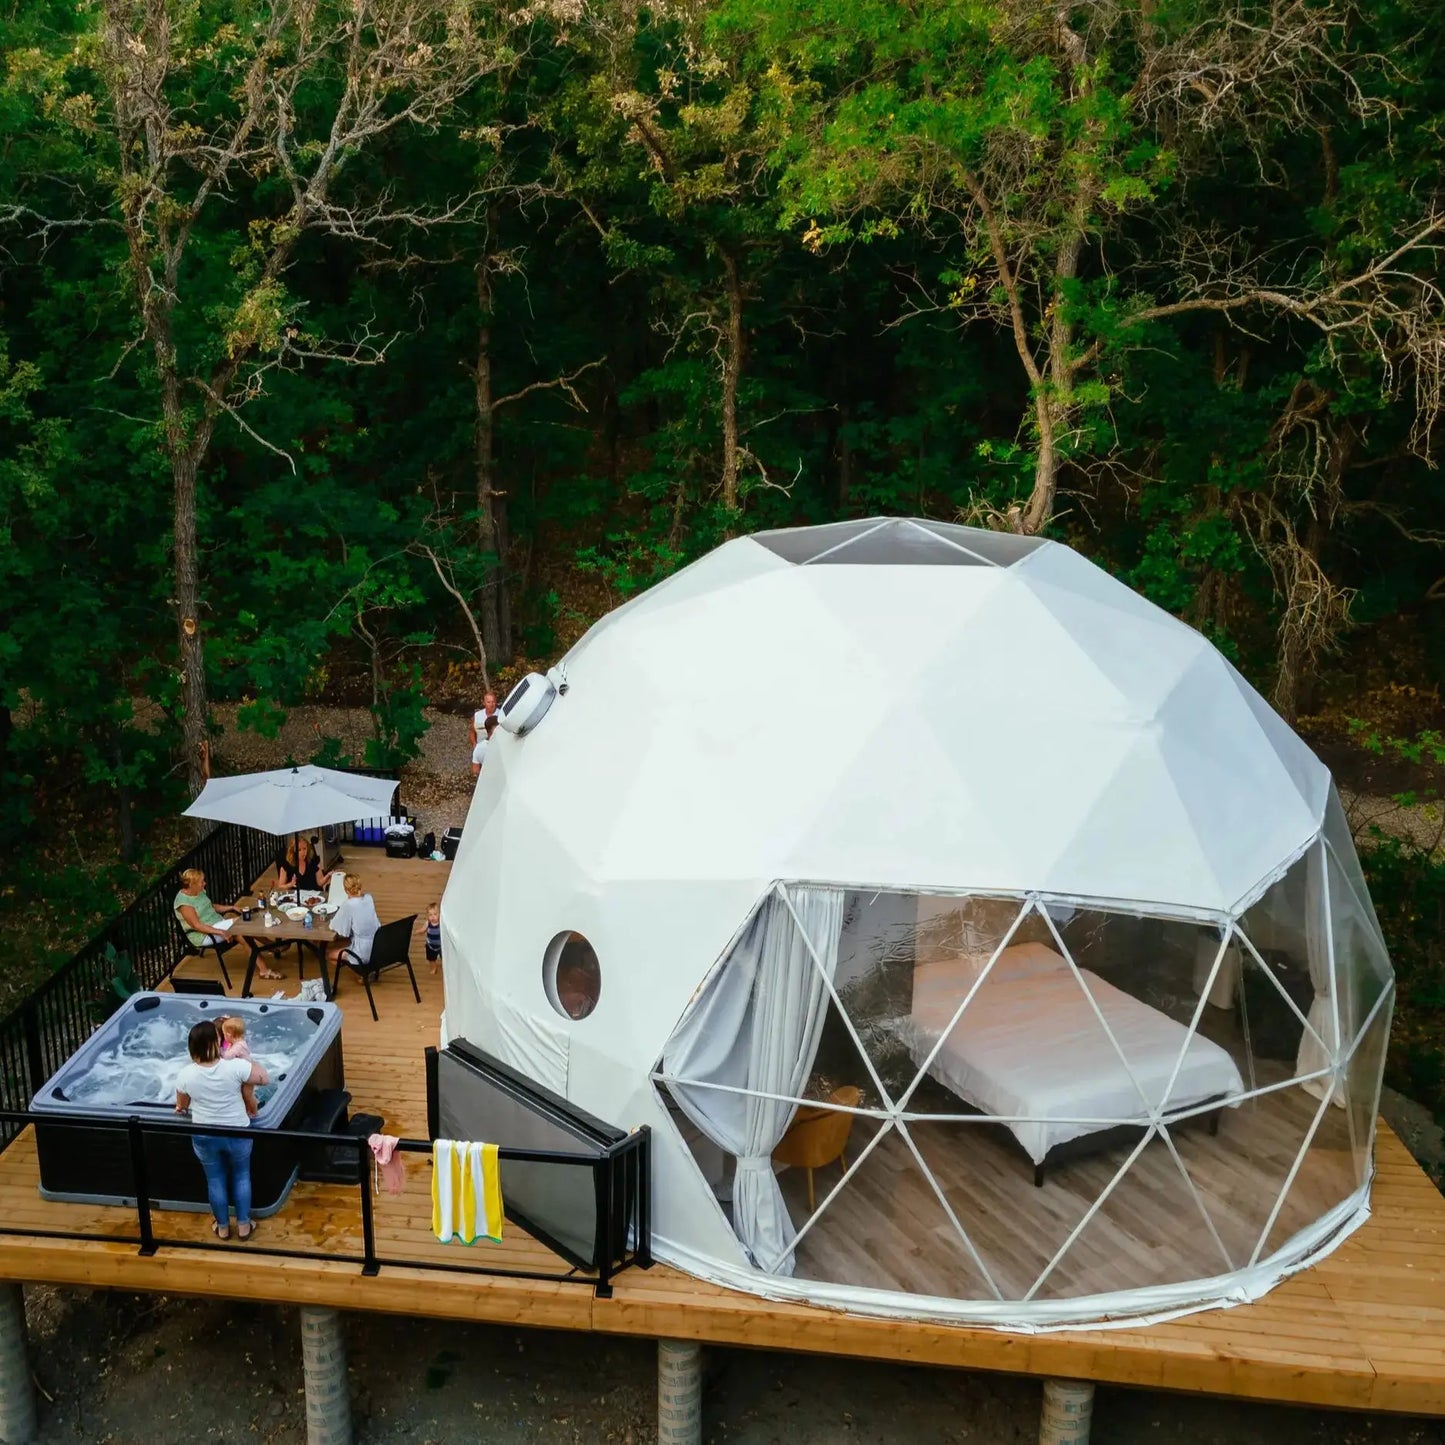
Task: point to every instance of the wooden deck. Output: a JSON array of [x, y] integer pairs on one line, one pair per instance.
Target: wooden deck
[[1363, 1329]]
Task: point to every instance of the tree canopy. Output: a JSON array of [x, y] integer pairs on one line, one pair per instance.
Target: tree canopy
[[340, 338]]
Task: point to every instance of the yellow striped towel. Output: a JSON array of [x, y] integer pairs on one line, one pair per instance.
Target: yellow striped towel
[[466, 1192]]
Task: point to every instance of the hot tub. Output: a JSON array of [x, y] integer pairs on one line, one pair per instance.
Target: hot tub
[[128, 1068]]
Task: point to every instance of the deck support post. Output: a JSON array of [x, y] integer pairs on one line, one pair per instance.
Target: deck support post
[[1068, 1410], [19, 1422], [679, 1392], [328, 1395]]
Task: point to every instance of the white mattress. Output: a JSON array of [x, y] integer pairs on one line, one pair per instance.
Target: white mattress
[[1030, 1047]]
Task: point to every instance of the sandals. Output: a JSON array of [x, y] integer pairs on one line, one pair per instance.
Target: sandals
[[249, 1228], [222, 1232], [268, 973]]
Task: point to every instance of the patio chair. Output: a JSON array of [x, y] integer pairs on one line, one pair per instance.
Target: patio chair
[[391, 948], [817, 1137], [203, 950]]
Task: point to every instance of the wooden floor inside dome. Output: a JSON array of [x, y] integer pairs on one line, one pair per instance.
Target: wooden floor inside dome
[[887, 1229], [1363, 1329]]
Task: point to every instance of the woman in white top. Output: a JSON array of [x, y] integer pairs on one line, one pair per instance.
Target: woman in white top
[[210, 1087], [355, 923]]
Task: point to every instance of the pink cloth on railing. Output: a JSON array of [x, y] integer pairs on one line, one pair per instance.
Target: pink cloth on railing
[[390, 1164]]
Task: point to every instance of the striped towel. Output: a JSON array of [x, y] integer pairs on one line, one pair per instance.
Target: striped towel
[[466, 1192]]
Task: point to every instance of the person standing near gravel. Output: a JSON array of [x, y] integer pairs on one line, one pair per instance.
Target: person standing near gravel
[[483, 715], [479, 751]]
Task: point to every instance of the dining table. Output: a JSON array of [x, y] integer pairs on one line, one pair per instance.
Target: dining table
[[257, 934]]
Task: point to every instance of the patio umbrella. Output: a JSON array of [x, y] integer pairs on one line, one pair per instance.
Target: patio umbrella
[[292, 800]]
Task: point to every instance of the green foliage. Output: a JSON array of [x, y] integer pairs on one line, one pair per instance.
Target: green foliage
[[121, 983], [1407, 886], [782, 222], [400, 725]]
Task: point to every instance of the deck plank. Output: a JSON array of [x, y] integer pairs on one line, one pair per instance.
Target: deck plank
[[1364, 1328]]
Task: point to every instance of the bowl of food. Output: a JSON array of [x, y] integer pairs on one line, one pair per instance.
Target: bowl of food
[[294, 913], [311, 899]]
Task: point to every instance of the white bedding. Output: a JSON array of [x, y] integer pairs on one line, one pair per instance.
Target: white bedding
[[1030, 1046]]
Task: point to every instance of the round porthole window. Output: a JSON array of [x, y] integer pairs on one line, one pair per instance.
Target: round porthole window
[[571, 975]]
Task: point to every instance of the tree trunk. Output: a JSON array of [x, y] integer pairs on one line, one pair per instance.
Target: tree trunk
[[1052, 408], [732, 369], [491, 524], [844, 476], [125, 819], [190, 641], [1039, 508], [1298, 653]]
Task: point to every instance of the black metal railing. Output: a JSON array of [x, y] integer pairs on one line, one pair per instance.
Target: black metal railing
[[38, 1035], [620, 1180]]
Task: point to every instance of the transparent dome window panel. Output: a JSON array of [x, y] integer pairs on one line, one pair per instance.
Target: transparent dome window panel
[[1146, 1225], [1361, 963], [906, 964], [714, 1163], [1016, 1227], [1364, 1074], [885, 1227], [898, 543], [1001, 548], [803, 544], [1240, 1171], [1340, 845], [1146, 979], [1326, 1176]]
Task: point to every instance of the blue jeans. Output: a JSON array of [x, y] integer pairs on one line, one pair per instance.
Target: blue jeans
[[227, 1163]]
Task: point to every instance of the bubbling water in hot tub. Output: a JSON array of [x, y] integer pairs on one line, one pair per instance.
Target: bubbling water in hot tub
[[142, 1067]]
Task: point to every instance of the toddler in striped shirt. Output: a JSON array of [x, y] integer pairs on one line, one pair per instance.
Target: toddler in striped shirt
[[434, 935]]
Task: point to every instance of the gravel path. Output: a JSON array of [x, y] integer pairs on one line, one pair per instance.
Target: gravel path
[[1423, 824], [436, 787]]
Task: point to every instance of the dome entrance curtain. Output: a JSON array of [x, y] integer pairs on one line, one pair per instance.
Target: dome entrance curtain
[[756, 1030]]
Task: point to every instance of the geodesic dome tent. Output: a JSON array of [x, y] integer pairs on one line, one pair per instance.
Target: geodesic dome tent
[[975, 940]]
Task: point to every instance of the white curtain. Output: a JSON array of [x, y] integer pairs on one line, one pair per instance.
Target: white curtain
[[1312, 1057], [757, 1027]]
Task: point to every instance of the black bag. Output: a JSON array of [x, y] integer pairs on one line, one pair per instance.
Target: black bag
[[428, 845]]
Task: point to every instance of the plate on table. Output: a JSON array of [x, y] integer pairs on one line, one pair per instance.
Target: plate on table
[[325, 910], [311, 899], [294, 913]]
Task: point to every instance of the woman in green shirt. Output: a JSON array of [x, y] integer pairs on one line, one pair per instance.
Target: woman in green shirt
[[198, 916]]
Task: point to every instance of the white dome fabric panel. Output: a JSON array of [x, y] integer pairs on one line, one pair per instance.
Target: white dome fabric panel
[[851, 707]]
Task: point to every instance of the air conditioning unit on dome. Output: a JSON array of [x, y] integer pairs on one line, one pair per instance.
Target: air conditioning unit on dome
[[527, 703]]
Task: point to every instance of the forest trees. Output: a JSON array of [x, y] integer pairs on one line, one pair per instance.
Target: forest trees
[[181, 111], [440, 306], [1065, 163]]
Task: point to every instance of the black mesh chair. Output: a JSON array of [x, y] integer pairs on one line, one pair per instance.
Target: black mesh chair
[[391, 948], [211, 949]]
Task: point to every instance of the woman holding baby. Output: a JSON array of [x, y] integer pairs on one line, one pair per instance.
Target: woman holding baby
[[214, 1088]]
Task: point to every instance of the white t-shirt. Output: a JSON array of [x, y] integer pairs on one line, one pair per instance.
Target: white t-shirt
[[479, 719], [479, 753], [215, 1091], [356, 920]]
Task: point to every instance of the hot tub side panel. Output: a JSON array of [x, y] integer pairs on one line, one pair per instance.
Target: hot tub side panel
[[81, 1163]]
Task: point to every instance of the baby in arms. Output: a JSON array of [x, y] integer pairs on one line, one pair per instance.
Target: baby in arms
[[234, 1046]]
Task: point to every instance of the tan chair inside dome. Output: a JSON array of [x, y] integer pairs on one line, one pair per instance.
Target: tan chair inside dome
[[817, 1136]]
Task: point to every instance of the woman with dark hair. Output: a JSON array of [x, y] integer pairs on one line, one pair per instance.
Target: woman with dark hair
[[299, 867], [210, 1087]]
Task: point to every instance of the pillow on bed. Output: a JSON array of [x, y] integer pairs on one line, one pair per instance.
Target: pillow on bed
[[1026, 960]]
